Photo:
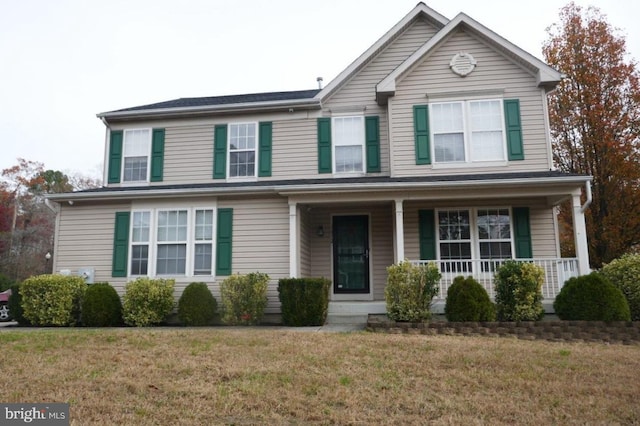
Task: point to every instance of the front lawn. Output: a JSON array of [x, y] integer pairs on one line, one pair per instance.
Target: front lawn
[[278, 376]]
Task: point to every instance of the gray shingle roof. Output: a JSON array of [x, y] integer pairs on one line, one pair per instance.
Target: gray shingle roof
[[497, 177], [226, 100]]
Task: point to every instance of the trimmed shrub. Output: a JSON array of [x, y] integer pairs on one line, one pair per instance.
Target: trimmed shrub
[[467, 300], [591, 298], [52, 299], [147, 301], [197, 306], [101, 306], [518, 287], [410, 289], [624, 273], [244, 298], [304, 301]]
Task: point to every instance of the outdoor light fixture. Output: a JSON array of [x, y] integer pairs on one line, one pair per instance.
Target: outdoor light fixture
[[47, 256], [320, 231]]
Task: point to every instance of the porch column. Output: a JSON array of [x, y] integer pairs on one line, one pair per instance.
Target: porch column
[[580, 236], [293, 240], [399, 227]]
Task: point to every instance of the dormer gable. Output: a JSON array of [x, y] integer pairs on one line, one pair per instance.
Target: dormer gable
[[546, 77]]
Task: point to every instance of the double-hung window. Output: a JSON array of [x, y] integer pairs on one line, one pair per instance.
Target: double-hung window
[[135, 159], [468, 131], [465, 234], [348, 143], [140, 241], [242, 150], [172, 242], [171, 258], [203, 247]]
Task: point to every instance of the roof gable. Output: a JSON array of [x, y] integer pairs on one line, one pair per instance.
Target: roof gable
[[546, 76], [420, 11]]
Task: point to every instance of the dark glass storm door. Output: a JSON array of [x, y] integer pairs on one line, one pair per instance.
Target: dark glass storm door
[[351, 254]]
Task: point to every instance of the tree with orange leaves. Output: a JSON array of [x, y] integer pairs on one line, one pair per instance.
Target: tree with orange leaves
[[595, 128]]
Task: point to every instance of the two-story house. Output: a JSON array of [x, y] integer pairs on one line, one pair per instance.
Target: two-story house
[[432, 145]]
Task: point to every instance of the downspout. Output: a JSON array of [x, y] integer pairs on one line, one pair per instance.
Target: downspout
[[587, 203]]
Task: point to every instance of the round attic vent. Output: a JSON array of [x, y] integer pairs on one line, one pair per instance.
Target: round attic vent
[[462, 64]]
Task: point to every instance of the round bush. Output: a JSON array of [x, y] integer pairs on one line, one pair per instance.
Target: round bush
[[244, 298], [624, 273], [592, 298], [147, 301], [197, 306], [467, 300], [101, 306]]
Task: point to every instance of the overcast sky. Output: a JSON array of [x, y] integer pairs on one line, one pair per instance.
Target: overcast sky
[[64, 61]]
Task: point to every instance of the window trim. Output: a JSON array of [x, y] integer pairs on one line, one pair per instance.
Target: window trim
[[124, 157], [256, 149], [475, 233], [466, 131], [334, 144], [154, 210]]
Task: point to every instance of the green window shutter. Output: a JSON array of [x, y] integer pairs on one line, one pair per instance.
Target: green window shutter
[[157, 155], [421, 134], [522, 230], [372, 137], [427, 234], [514, 129], [120, 245], [115, 156], [220, 152], [265, 140], [324, 145], [223, 242]]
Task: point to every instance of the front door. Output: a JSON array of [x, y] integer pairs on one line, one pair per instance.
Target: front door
[[351, 254]]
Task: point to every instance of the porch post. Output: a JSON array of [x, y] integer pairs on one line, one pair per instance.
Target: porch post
[[293, 240], [580, 236], [399, 227]]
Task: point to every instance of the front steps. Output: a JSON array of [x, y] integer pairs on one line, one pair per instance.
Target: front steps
[[342, 312]]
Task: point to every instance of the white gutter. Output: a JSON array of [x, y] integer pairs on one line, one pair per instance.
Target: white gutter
[[587, 203], [51, 207]]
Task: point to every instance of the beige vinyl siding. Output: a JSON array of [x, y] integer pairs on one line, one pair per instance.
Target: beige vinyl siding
[[493, 71], [85, 240], [188, 154], [543, 238], [260, 240], [295, 149], [380, 241]]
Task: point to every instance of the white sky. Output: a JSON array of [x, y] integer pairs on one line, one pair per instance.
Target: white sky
[[64, 61]]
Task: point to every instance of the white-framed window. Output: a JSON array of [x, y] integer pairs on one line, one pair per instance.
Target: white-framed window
[[473, 233], [172, 242], [348, 144], [243, 150], [468, 131], [136, 153]]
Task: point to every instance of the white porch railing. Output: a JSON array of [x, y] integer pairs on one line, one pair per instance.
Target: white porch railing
[[556, 272]]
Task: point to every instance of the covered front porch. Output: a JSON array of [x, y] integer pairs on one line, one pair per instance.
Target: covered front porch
[[353, 233]]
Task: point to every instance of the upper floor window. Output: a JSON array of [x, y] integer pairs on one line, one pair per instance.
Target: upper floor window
[[468, 131], [348, 142], [136, 152], [242, 149]]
